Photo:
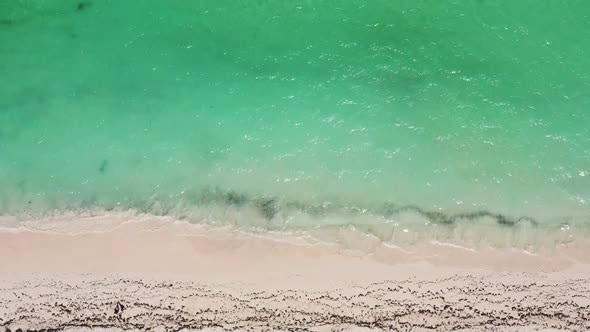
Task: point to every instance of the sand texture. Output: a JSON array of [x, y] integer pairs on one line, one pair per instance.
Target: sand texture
[[488, 302], [172, 276]]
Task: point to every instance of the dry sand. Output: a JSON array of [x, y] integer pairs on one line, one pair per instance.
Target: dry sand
[[171, 275]]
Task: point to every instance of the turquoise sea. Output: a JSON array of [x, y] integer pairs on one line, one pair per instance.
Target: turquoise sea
[[389, 116]]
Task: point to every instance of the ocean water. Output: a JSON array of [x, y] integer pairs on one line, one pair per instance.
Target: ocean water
[[384, 115]]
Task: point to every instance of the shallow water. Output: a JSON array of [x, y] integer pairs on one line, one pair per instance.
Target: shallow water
[[310, 113]]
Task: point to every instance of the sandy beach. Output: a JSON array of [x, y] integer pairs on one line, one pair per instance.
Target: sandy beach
[[294, 165], [171, 275]]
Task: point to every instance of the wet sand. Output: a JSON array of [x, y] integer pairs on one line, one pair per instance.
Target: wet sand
[[173, 275]]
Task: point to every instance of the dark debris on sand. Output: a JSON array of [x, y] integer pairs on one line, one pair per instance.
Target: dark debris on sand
[[482, 303]]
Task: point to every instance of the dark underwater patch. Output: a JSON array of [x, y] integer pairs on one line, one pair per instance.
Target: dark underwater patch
[[267, 208], [270, 207], [7, 22], [103, 166], [83, 5], [234, 198]]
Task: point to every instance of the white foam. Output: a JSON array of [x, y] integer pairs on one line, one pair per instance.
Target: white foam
[[365, 231], [392, 246], [445, 244]]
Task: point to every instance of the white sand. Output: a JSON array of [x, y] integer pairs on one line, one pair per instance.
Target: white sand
[[60, 274]]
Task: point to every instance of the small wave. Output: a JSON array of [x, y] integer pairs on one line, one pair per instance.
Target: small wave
[[396, 225]]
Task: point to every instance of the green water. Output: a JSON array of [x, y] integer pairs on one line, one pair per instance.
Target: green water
[[170, 107]]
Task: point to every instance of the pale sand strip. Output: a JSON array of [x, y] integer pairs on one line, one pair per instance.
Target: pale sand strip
[[173, 276]]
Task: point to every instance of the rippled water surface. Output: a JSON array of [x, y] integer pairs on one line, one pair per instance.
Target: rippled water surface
[[409, 111]]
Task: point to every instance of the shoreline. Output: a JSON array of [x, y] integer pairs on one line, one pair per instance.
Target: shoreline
[[131, 242], [173, 275]]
